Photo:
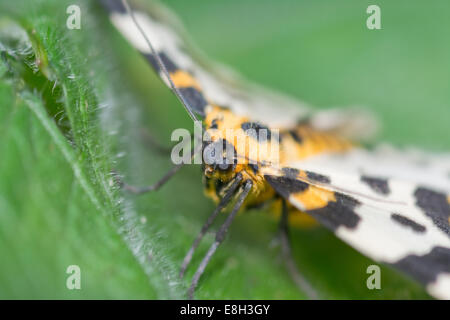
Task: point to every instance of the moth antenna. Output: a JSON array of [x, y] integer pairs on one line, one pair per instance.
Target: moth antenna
[[160, 62]]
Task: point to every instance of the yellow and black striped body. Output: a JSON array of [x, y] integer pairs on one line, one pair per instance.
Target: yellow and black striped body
[[294, 145]]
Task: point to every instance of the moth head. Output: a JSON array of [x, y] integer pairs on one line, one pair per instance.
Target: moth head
[[219, 159]]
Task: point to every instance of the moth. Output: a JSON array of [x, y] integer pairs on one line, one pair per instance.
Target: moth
[[391, 205]]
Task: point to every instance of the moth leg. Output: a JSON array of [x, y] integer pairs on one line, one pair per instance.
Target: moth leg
[[222, 204], [153, 143], [286, 249], [158, 184], [220, 235]]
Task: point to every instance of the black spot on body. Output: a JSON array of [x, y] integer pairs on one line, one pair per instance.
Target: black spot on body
[[219, 185], [257, 131], [257, 205], [206, 180], [254, 167], [426, 268], [317, 177], [435, 205], [194, 99], [378, 185], [168, 63], [408, 222], [214, 124], [339, 213], [286, 185]]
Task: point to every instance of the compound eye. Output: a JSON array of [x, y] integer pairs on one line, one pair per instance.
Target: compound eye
[[224, 166], [220, 154]]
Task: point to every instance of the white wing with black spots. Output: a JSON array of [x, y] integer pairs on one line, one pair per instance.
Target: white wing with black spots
[[391, 206]]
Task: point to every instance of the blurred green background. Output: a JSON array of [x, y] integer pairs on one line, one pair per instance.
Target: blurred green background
[[80, 112]]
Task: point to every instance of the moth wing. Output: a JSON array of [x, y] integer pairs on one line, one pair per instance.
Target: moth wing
[[394, 209], [202, 83], [385, 162]]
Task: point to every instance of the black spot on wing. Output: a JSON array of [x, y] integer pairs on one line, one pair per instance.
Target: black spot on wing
[[294, 134], [339, 213], [426, 268], [257, 131], [435, 205], [378, 185], [408, 222], [114, 6], [317, 177], [194, 99], [286, 185], [335, 214], [290, 172], [167, 62]]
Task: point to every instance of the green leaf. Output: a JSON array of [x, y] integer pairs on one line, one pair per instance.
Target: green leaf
[[85, 109]]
